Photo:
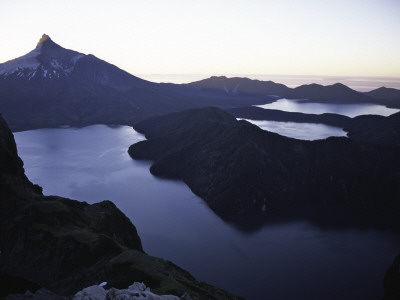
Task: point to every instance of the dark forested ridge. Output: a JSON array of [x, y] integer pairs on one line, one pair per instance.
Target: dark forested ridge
[[378, 129], [238, 168], [65, 245]]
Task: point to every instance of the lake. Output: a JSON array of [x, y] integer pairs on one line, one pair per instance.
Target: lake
[[350, 110], [302, 131], [313, 131], [288, 259]]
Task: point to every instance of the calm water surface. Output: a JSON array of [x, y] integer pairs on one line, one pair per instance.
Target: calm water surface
[[287, 260], [302, 131], [350, 110]]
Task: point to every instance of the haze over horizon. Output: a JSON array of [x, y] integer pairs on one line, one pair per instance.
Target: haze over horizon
[[335, 38]]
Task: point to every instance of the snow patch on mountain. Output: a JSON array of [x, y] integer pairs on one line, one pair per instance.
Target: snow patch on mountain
[[28, 65], [28, 61]]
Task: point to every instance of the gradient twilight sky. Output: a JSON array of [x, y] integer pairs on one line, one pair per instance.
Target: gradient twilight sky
[[308, 37]]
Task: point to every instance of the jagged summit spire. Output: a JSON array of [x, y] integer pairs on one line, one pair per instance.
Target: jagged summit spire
[[44, 38]]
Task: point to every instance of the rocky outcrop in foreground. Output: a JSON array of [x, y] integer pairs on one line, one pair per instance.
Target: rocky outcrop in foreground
[[65, 245], [392, 281], [135, 291]]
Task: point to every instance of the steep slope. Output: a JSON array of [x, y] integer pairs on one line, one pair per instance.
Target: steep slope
[[66, 245], [238, 168], [392, 281]]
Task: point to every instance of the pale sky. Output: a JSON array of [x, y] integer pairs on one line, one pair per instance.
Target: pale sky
[[292, 37]]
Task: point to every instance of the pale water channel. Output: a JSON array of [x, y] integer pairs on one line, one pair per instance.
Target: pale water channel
[[280, 260], [313, 131], [350, 110], [302, 131]]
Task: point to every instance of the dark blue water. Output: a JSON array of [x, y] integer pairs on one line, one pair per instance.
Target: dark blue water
[[292, 259]]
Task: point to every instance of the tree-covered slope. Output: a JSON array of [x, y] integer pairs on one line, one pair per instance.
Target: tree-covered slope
[[238, 168]]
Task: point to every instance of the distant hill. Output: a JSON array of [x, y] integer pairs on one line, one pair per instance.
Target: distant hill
[[384, 93], [241, 86], [389, 96], [336, 93]]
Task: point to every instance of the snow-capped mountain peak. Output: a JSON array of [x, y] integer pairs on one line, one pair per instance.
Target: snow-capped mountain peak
[[48, 60]]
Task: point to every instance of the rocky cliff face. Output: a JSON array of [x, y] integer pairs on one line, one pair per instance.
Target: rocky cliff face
[[66, 245], [392, 281]]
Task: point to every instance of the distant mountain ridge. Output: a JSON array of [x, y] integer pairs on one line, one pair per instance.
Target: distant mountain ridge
[[337, 93], [237, 85], [384, 93], [52, 86]]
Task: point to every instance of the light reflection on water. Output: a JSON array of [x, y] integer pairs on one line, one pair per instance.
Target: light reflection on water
[[350, 110], [301, 131], [288, 260]]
